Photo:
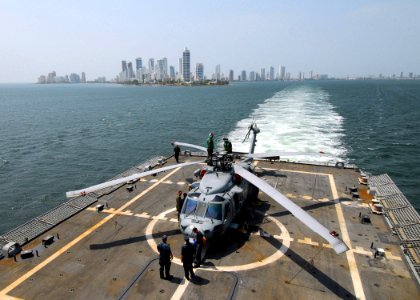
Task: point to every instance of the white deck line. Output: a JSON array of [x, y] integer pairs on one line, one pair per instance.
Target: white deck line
[[180, 290]]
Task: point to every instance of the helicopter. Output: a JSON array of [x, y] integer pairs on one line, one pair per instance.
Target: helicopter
[[221, 192]]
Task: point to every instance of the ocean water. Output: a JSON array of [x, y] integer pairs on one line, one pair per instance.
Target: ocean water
[[56, 138]]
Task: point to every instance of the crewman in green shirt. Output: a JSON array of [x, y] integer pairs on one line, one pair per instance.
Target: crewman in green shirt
[[227, 145]]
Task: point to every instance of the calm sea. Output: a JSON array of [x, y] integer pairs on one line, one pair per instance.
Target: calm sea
[[56, 138]]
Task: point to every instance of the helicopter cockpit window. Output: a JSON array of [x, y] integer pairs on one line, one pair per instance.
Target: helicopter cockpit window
[[190, 206], [214, 211]]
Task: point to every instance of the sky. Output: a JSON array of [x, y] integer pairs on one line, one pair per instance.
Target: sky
[[335, 37]]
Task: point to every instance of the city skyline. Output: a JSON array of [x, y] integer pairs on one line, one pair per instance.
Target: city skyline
[[339, 39]]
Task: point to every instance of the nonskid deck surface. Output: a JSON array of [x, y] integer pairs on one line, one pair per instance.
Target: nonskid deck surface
[[112, 254]]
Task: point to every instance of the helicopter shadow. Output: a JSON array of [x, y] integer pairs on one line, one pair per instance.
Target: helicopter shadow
[[306, 208], [309, 267], [272, 173]]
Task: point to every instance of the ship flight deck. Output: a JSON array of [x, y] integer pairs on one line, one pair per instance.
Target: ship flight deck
[[111, 254]]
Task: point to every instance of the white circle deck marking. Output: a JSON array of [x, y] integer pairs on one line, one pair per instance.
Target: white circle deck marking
[[268, 260]]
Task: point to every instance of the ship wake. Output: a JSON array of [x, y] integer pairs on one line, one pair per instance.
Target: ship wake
[[297, 118]]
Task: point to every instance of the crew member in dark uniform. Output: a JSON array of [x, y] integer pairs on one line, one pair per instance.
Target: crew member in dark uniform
[[165, 257], [199, 241], [187, 257], [177, 150], [179, 203]]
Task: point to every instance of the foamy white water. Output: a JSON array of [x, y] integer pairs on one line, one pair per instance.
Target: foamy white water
[[296, 119]]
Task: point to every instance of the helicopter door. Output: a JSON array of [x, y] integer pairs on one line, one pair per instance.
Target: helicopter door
[[236, 200]]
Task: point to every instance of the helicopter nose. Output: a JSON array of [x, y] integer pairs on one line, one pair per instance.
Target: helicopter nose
[[189, 230]]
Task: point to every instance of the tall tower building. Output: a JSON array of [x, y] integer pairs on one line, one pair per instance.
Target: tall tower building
[[165, 67], [130, 70], [124, 66], [199, 71], [172, 72], [186, 60], [231, 75], [282, 72], [252, 76], [124, 72], [83, 80], [263, 74], [218, 72], [139, 63], [151, 65], [180, 67], [271, 73], [243, 75]]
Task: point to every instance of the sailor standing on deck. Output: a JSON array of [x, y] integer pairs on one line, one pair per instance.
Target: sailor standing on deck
[[179, 203], [210, 145], [165, 257], [187, 257], [199, 241], [177, 150]]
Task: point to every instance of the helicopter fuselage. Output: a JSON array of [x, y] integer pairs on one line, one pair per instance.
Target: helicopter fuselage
[[215, 200]]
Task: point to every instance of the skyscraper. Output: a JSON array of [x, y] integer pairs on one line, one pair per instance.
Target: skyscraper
[[271, 73], [282, 72], [158, 70], [186, 65], [165, 67], [199, 71], [252, 76], [262, 73], [180, 68], [218, 72], [83, 80], [139, 63], [124, 72], [230, 75], [161, 69], [151, 65], [243, 75], [172, 72], [130, 70]]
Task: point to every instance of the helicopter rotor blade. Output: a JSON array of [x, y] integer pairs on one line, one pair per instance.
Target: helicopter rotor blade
[[191, 145], [281, 154], [126, 179], [247, 135], [296, 210]]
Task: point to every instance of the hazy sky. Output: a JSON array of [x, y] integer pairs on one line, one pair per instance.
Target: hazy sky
[[334, 37]]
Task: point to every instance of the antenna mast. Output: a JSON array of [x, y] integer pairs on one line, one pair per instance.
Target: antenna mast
[[255, 130]]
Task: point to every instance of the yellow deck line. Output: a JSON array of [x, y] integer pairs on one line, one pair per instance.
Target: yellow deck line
[[6, 297], [354, 271], [308, 241], [64, 249]]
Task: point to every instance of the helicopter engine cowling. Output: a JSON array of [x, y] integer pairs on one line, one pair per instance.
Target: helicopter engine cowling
[[215, 182]]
